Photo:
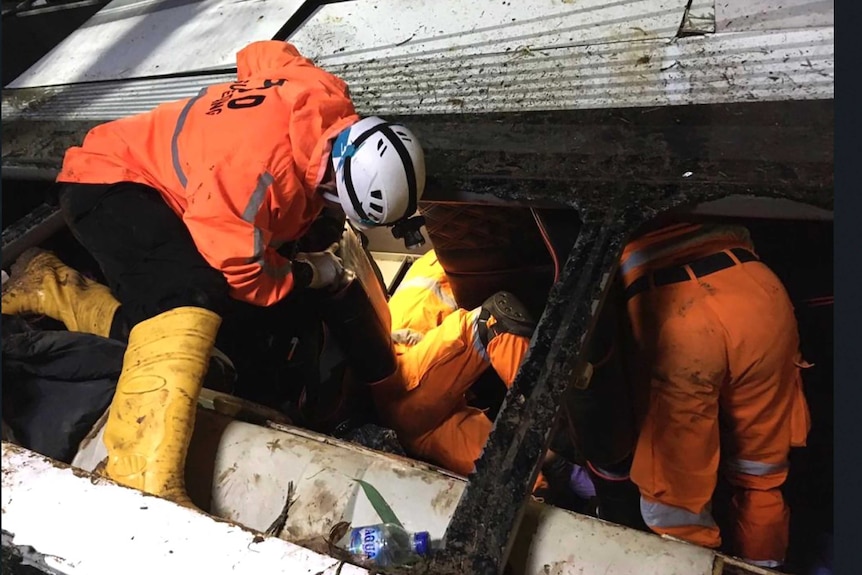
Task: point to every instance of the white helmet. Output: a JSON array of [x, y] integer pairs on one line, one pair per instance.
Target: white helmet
[[379, 172]]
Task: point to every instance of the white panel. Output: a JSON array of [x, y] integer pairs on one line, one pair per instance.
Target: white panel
[[565, 543], [365, 31], [740, 15], [75, 524], [706, 69], [253, 466], [137, 38]]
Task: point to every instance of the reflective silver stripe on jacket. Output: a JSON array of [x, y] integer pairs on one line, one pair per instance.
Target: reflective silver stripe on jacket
[[175, 148], [473, 318], [749, 467], [432, 285], [657, 514], [672, 245], [249, 214]]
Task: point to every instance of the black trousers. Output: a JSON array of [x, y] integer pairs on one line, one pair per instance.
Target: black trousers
[[145, 251], [152, 265]]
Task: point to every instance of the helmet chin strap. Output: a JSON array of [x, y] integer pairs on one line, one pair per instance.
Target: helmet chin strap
[[330, 196]]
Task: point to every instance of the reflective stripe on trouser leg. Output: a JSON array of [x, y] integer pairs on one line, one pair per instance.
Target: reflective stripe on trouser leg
[[473, 321], [677, 455], [760, 517], [757, 468], [699, 528]]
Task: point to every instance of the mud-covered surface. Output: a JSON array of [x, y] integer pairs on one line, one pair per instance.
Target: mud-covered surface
[[376, 438], [583, 158], [618, 169]]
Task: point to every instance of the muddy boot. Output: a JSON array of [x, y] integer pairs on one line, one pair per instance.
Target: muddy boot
[[152, 415], [43, 285]]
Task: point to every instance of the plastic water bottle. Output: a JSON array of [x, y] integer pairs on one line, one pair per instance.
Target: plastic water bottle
[[386, 544]]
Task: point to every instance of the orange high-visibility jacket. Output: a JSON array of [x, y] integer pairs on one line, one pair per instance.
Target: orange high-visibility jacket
[[239, 162]]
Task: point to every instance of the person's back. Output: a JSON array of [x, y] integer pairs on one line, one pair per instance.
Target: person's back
[[276, 117], [715, 333]]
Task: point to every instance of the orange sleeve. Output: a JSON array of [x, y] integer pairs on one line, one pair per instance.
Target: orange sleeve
[[228, 217]]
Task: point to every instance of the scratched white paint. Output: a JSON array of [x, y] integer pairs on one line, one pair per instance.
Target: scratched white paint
[[86, 516], [137, 38], [90, 526], [254, 464], [707, 69], [363, 31], [565, 543], [743, 15]]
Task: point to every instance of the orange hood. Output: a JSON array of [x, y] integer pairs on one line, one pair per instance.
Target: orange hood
[[267, 58]]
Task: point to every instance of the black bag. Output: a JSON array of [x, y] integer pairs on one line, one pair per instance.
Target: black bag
[[56, 385]]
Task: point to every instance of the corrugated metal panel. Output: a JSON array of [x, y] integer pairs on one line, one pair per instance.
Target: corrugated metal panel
[[365, 31], [103, 100], [137, 38], [697, 70], [714, 68]]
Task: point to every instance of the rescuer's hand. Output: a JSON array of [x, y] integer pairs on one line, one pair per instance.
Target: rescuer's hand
[[327, 268]]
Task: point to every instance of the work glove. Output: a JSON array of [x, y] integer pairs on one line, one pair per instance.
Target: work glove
[[580, 482], [327, 268]]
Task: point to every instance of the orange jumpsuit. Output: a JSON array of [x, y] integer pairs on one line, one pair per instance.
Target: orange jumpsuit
[[724, 343], [440, 355], [239, 162]]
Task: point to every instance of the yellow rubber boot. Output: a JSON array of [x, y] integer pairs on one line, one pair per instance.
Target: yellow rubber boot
[[152, 415], [41, 284]]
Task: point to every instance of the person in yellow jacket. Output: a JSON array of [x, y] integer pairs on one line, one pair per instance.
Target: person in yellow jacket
[[442, 350], [188, 207]]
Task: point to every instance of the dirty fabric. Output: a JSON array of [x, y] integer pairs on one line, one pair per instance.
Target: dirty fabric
[[56, 384], [440, 359], [728, 343], [376, 437], [239, 162]]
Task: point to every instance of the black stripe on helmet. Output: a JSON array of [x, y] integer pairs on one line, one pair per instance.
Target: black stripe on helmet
[[406, 161], [351, 191]]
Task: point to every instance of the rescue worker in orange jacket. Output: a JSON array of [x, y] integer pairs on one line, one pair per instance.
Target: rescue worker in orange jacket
[[185, 207], [442, 350], [714, 333]]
